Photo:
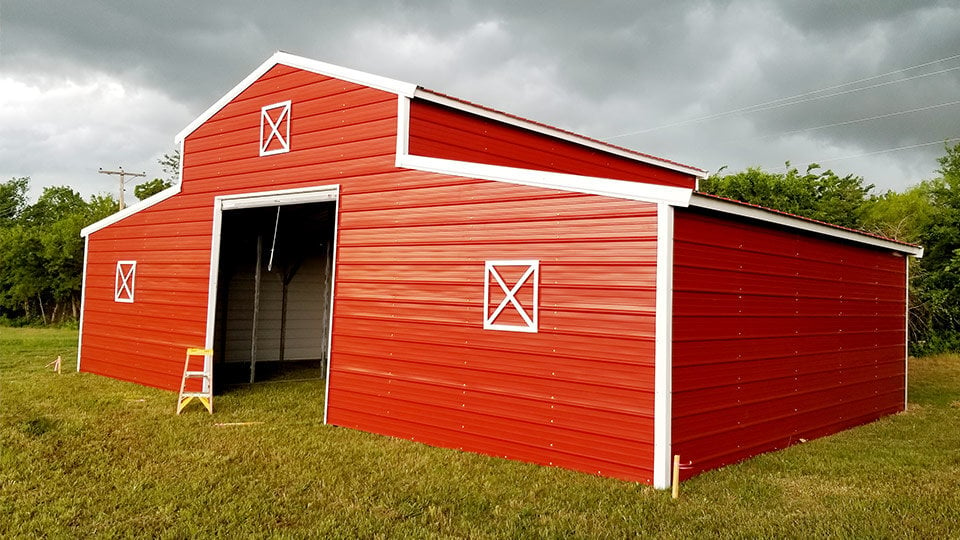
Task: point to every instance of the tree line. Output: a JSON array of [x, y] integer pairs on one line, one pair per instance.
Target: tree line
[[41, 251]]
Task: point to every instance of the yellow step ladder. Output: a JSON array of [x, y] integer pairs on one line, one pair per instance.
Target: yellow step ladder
[[205, 395]]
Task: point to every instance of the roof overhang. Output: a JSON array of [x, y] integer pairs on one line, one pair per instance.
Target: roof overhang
[[699, 200]]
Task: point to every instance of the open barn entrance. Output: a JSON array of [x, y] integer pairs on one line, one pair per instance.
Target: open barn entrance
[[273, 291]]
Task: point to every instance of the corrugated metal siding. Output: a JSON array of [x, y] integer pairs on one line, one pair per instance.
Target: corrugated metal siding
[[442, 132], [410, 356], [307, 297], [779, 336], [340, 130]]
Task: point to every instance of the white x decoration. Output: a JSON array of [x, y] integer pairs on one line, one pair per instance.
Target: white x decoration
[[124, 282], [531, 275], [275, 126]]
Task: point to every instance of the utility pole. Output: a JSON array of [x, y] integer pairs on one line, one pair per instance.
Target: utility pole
[[123, 174]]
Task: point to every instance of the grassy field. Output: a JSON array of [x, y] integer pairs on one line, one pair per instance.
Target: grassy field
[[82, 455]]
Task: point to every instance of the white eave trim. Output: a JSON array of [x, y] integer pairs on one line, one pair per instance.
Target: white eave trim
[[621, 189], [133, 209], [427, 95], [338, 72], [777, 218]]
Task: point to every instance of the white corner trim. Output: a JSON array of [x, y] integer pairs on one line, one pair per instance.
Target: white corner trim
[[427, 95], [663, 351], [403, 129], [133, 209], [333, 290], [622, 189], [777, 218], [338, 72], [906, 334], [83, 298]]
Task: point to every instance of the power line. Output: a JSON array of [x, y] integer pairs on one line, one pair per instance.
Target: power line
[[884, 151], [807, 96], [857, 121]]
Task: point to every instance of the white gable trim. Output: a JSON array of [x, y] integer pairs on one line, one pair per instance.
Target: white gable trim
[[306, 64], [770, 216], [427, 95], [132, 209]]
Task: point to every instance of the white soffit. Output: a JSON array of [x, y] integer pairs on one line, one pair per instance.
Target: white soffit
[[306, 64], [771, 216]]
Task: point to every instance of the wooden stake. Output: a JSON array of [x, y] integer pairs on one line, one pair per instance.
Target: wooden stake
[[676, 476], [56, 364]]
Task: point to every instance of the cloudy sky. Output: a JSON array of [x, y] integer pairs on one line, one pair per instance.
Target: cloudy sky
[[869, 87]]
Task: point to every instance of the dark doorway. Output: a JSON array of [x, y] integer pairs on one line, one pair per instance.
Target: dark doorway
[[273, 293]]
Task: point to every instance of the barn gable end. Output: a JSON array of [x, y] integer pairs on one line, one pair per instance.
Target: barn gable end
[[493, 284]]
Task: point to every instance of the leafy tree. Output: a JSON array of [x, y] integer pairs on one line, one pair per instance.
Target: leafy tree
[[817, 195], [936, 282], [149, 188], [41, 251], [170, 163], [13, 199]]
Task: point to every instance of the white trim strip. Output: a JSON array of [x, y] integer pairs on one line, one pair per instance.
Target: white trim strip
[[906, 334], [281, 197], [83, 297], [427, 95], [133, 209], [333, 287], [663, 370], [306, 64], [621, 189], [403, 129], [768, 216]]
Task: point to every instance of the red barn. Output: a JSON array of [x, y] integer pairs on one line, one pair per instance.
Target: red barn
[[475, 280]]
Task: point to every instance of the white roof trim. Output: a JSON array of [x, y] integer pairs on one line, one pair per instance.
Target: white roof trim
[[306, 64], [132, 209], [769, 216], [621, 189], [427, 95]]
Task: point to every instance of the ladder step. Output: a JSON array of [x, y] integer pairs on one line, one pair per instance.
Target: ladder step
[[194, 394], [194, 374]]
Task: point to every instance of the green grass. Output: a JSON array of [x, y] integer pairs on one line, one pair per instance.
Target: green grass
[[82, 455]]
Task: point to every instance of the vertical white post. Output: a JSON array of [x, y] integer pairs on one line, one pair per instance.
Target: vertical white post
[[662, 444], [83, 296], [906, 332]]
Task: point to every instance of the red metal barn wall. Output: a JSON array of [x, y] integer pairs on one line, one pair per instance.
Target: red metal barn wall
[[341, 130], [411, 358], [409, 355], [778, 336]]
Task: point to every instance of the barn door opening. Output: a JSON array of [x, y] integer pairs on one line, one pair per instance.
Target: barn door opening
[[273, 298]]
